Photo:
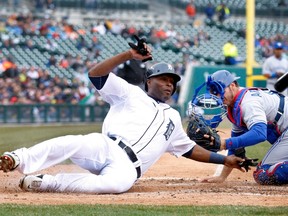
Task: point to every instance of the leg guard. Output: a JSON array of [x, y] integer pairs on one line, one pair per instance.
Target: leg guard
[[276, 174]]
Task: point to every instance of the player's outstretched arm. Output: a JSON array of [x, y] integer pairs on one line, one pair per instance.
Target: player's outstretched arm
[[202, 155]]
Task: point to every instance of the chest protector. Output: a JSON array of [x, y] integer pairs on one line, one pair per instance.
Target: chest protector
[[235, 116]]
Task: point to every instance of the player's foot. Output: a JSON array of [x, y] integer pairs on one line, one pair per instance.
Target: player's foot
[[31, 182], [9, 161]]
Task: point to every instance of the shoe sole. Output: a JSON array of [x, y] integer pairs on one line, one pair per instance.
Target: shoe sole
[[33, 185], [22, 181]]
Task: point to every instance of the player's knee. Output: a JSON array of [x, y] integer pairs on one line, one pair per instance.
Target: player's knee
[[117, 187], [119, 184], [276, 174], [261, 177]]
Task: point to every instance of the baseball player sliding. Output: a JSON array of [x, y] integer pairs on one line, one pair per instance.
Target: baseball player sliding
[[137, 130], [256, 115]]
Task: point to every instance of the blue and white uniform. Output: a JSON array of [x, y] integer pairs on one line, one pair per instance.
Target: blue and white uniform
[[271, 66], [259, 115]]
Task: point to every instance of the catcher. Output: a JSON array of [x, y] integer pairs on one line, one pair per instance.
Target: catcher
[[256, 115], [203, 130]]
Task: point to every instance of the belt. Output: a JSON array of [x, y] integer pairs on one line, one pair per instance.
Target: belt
[[131, 155]]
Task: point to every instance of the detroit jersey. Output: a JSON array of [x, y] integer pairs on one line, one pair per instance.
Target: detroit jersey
[[150, 133]]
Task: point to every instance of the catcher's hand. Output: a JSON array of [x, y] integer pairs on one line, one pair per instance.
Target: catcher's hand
[[249, 162], [201, 133], [140, 48]]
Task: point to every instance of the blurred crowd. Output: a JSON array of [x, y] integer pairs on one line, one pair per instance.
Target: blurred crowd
[[32, 84], [33, 80]]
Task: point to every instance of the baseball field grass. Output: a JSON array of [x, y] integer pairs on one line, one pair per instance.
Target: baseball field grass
[[139, 210], [13, 137]]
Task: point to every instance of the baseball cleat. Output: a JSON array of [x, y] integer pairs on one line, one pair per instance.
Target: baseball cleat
[[31, 182], [9, 161]]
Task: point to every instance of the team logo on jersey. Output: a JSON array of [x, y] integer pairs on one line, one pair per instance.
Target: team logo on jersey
[[170, 127]]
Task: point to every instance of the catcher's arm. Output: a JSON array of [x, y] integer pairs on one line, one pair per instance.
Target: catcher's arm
[[218, 179]]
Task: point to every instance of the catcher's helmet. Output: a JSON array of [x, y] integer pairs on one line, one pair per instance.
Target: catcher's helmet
[[162, 69], [219, 80], [210, 101]]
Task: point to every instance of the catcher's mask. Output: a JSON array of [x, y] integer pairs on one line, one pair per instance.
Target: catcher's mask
[[211, 102], [162, 69], [209, 108]]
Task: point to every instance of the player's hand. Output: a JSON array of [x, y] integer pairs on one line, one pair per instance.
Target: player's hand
[[138, 56], [213, 179], [234, 162]]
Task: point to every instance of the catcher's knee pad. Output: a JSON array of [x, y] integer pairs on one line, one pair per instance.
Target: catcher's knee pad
[[276, 174]]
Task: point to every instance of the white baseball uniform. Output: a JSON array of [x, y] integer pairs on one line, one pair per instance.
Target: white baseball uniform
[[148, 127], [273, 65]]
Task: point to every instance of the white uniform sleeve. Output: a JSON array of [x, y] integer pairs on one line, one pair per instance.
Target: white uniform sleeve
[[115, 89], [181, 143], [266, 69]]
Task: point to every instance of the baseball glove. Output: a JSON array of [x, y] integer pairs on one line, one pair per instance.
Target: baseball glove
[[140, 48], [201, 133], [249, 162]]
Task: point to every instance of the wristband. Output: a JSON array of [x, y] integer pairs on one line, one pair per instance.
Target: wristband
[[216, 158]]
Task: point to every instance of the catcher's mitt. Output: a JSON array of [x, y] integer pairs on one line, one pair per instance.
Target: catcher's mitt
[[201, 133], [140, 48], [240, 152]]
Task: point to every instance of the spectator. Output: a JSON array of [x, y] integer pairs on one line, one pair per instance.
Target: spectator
[[29, 44], [117, 27], [275, 66], [32, 73], [83, 90], [223, 12], [190, 10], [266, 49], [230, 52], [81, 43], [64, 62], [96, 46], [209, 11], [77, 63], [8, 68], [52, 61], [98, 28]]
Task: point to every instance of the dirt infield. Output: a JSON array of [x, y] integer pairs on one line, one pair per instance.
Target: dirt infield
[[170, 181]]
